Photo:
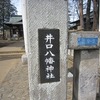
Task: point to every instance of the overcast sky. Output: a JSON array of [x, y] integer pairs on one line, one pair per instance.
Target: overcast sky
[[17, 4]]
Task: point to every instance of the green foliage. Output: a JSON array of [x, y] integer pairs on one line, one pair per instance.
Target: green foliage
[[6, 10]]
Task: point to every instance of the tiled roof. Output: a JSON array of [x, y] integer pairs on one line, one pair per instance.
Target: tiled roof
[[15, 20]]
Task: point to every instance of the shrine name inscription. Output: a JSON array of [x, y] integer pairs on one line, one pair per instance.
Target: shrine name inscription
[[49, 55]]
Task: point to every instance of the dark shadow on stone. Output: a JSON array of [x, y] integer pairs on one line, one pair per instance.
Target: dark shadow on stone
[[98, 96], [70, 70]]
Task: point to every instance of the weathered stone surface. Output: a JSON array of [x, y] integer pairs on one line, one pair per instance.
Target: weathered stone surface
[[51, 14], [86, 64], [84, 40], [24, 59]]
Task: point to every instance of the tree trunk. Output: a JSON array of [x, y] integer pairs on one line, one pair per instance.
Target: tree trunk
[[98, 14], [88, 15], [3, 20], [81, 14], [95, 15]]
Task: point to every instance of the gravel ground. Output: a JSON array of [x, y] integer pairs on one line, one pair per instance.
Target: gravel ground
[[15, 85]]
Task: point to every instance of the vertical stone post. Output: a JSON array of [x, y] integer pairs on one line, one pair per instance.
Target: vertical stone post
[[25, 31], [47, 15], [99, 57], [86, 64], [99, 15], [86, 61]]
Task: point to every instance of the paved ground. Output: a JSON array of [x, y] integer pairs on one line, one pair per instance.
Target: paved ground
[[9, 55], [15, 84], [13, 74], [5, 66]]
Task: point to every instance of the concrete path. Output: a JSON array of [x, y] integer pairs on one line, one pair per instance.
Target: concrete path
[[15, 85], [14, 47], [9, 57], [5, 67]]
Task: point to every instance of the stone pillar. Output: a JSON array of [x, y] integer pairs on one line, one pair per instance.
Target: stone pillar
[[98, 88], [25, 31], [99, 15], [46, 14], [86, 64]]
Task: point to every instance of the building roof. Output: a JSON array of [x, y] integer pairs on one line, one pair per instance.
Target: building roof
[[91, 16], [15, 20], [74, 24]]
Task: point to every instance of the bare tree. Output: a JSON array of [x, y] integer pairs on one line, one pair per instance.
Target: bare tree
[[95, 15], [81, 14], [85, 8], [88, 15]]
